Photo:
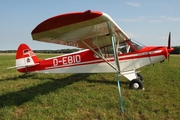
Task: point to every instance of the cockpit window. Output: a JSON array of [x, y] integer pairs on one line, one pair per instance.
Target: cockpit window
[[123, 48], [129, 46], [136, 45]]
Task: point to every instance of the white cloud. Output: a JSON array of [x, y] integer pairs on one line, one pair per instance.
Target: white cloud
[[129, 20], [162, 16], [131, 35], [174, 18], [132, 19], [154, 19], [133, 4], [170, 18]]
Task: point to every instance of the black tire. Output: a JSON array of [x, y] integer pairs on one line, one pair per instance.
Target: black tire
[[136, 84], [139, 76]]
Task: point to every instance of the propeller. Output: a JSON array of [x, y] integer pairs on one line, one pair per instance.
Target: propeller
[[169, 48], [169, 41]]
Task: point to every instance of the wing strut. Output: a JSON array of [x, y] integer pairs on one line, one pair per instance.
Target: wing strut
[[116, 60]]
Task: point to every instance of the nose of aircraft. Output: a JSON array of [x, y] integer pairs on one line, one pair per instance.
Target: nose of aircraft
[[170, 49], [166, 51]]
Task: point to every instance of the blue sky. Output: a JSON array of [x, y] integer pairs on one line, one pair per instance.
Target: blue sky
[[146, 21]]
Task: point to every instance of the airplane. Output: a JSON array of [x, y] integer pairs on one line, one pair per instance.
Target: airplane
[[105, 48]]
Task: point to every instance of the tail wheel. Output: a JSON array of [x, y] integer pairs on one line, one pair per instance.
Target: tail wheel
[[136, 84]]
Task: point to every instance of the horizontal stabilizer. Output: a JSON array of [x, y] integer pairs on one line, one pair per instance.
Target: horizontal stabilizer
[[22, 66]]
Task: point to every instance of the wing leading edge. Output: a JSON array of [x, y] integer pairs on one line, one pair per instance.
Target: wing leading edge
[[71, 28]]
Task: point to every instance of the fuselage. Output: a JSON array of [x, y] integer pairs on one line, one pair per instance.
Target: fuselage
[[86, 61]]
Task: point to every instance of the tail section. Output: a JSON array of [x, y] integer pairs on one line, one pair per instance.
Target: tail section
[[25, 57]]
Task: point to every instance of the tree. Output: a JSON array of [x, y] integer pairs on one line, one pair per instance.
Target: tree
[[176, 50]]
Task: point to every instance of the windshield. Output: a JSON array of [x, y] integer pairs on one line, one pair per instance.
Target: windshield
[[136, 44]]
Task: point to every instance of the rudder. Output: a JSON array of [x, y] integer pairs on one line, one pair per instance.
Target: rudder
[[25, 57]]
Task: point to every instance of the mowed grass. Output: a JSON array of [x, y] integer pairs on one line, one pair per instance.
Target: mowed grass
[[89, 96]]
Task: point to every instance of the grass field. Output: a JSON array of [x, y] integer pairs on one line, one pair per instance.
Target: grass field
[[89, 96]]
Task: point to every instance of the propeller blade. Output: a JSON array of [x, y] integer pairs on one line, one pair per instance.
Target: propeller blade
[[170, 49], [169, 40]]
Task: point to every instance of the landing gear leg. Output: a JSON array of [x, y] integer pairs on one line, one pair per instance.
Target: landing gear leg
[[139, 76]]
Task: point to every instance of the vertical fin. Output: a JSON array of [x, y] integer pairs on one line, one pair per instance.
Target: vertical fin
[[25, 57]]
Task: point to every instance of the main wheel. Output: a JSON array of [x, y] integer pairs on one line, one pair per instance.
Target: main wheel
[[139, 76], [136, 84]]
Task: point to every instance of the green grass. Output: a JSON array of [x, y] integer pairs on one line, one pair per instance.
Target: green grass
[[89, 96]]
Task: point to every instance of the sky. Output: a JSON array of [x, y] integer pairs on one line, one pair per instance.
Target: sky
[[146, 21]]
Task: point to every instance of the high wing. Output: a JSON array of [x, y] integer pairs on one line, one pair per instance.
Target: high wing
[[91, 27]]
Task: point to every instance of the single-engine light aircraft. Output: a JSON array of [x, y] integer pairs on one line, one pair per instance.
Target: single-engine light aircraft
[[105, 48]]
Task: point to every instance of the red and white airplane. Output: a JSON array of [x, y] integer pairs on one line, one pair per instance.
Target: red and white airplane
[[106, 48]]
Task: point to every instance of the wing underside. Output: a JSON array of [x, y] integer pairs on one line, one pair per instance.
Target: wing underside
[[89, 27]]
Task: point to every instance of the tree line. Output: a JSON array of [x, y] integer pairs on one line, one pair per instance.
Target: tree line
[[63, 51], [176, 50]]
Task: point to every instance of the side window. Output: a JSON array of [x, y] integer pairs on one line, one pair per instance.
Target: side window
[[100, 52], [105, 52], [124, 48], [110, 51]]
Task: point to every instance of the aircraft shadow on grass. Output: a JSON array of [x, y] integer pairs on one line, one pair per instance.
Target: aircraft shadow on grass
[[25, 95]]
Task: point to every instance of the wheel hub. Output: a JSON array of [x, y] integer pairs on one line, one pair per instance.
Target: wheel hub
[[136, 85]]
